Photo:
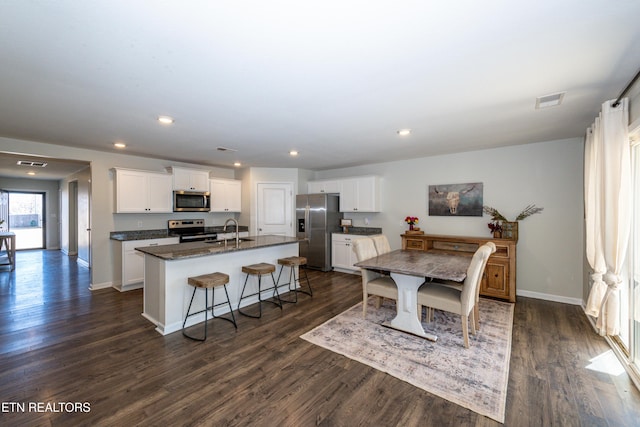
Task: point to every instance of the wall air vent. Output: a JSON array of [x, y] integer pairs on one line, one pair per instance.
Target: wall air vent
[[31, 163], [226, 149], [549, 100]]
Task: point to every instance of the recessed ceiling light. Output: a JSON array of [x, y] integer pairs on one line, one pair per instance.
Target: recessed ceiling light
[[237, 164], [165, 120], [120, 145], [551, 100], [293, 153], [32, 173], [404, 132]]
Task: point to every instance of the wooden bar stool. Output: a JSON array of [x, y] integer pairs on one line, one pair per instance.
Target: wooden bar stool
[[208, 281], [292, 262], [259, 270]]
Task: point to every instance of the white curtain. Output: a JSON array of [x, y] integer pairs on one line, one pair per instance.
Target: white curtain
[[607, 211]]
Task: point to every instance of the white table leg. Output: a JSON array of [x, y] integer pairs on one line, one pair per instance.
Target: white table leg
[[408, 317]]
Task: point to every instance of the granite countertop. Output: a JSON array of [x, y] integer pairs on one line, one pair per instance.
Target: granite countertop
[[200, 249], [360, 231], [139, 235], [163, 233]]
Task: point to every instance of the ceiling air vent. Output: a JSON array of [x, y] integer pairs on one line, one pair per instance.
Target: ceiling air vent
[[549, 100], [31, 163], [226, 149]]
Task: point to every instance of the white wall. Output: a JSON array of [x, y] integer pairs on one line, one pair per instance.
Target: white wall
[[548, 174], [634, 104]]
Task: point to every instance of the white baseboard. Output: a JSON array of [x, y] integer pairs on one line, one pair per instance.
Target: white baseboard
[[96, 286], [549, 297], [346, 270], [121, 288], [82, 263]]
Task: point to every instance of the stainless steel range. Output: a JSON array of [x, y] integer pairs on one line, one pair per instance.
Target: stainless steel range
[[190, 230]]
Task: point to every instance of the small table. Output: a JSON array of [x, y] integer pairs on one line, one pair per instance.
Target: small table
[[8, 241], [409, 270]]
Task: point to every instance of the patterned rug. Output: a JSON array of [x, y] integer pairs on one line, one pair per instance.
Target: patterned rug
[[475, 378]]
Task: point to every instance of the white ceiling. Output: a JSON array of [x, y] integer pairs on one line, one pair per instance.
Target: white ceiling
[[332, 79], [55, 168]]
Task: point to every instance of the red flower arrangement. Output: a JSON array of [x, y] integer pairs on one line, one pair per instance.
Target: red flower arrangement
[[411, 220]]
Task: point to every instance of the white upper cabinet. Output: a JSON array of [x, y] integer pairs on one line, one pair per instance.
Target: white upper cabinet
[[360, 194], [331, 186], [142, 192], [190, 179], [226, 195]]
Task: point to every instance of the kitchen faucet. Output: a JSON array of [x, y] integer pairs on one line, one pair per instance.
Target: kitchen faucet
[[237, 233]]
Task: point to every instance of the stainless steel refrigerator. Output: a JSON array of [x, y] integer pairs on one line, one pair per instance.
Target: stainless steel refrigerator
[[317, 215]]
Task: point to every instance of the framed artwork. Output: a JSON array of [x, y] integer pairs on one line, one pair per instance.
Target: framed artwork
[[455, 199]]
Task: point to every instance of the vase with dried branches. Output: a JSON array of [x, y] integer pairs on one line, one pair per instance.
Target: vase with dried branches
[[510, 228]]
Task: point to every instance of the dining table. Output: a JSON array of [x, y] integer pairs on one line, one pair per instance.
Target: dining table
[[8, 242], [409, 269]]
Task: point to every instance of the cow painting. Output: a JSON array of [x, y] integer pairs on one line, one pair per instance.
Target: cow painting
[[455, 199]]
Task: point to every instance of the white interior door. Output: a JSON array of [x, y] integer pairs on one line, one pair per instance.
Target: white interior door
[[275, 209]]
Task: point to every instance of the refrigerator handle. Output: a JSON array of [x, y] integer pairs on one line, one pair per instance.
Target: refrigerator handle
[[306, 222]]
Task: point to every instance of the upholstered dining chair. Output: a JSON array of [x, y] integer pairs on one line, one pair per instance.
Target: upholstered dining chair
[[381, 243], [382, 247], [455, 301], [458, 286], [373, 283]]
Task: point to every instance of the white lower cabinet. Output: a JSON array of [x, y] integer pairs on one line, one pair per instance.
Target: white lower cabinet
[[342, 255], [132, 261]]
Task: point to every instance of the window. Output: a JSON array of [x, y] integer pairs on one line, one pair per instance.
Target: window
[[26, 219]]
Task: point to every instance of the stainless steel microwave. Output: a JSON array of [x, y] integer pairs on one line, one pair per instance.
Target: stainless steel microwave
[[191, 201]]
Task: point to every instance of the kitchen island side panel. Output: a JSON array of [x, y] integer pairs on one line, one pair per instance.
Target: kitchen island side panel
[[153, 286], [168, 290]]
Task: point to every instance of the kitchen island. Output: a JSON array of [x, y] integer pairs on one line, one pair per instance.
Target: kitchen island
[[167, 267]]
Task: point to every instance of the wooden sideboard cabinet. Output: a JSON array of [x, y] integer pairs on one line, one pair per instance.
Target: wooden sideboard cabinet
[[499, 280]]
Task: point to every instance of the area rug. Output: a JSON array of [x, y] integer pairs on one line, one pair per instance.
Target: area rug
[[475, 378]]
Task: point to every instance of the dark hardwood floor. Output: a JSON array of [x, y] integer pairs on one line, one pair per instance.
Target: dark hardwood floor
[[60, 342]]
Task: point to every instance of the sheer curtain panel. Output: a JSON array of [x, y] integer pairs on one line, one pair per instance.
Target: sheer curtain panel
[[607, 211]]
